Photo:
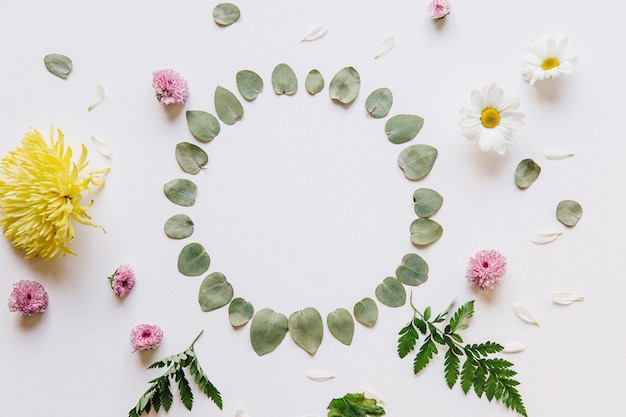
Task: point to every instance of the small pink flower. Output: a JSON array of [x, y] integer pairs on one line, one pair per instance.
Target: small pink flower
[[28, 297], [146, 336], [169, 86], [439, 9], [486, 268], [122, 280]]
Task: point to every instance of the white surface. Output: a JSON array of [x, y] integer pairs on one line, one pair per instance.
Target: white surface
[[302, 203]]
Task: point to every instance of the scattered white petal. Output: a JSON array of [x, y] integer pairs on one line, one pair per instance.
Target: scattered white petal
[[566, 298], [556, 154], [525, 314], [372, 395], [543, 238], [241, 413], [103, 146], [98, 96], [386, 46], [513, 347], [319, 376], [316, 33]]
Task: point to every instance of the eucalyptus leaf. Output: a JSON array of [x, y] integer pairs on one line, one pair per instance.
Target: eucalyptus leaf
[[413, 270], [426, 202], [341, 325], [227, 106], [179, 226], [425, 231], [225, 14], [569, 212], [190, 157], [202, 125], [181, 191], [58, 65], [314, 82], [526, 173], [379, 102], [307, 328], [249, 84], [391, 292], [366, 312], [193, 260], [240, 312], [417, 160], [267, 330], [402, 128], [215, 292], [284, 80], [345, 85]]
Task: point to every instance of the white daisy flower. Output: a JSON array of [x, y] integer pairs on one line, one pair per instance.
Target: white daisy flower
[[491, 118], [548, 57]]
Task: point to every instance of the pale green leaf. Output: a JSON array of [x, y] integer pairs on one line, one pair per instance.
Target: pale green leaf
[[569, 212], [249, 84], [425, 231], [181, 191], [426, 202], [366, 312], [227, 106], [190, 157], [225, 14], [284, 80], [215, 292], [193, 260], [240, 312], [307, 328], [202, 125], [179, 226], [314, 82], [58, 65], [267, 330], [417, 160], [345, 85], [413, 270], [526, 173], [391, 292], [379, 102], [402, 128], [341, 325]]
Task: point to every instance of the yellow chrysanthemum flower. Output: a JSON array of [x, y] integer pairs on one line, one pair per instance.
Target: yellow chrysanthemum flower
[[40, 193]]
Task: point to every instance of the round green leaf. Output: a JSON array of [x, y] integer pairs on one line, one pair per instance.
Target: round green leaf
[[225, 14], [307, 328], [181, 191], [215, 292], [267, 330], [58, 65], [379, 103], [417, 160], [425, 231], [341, 325], [190, 157], [391, 292], [366, 312], [179, 226], [526, 173], [569, 212], [413, 270], [193, 260], [345, 85], [240, 312], [202, 125], [284, 80], [227, 106], [402, 128], [314, 82], [426, 202], [249, 84]]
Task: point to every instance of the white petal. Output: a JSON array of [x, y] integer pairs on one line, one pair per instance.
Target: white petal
[[103, 146], [513, 347], [241, 413], [524, 314], [385, 46], [316, 33], [319, 376], [98, 96], [543, 238], [556, 153], [373, 396], [566, 298]]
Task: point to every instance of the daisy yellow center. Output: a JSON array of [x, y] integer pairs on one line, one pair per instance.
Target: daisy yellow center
[[490, 118], [549, 63]]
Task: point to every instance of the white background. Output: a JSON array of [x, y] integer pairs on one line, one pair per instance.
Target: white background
[[303, 204]]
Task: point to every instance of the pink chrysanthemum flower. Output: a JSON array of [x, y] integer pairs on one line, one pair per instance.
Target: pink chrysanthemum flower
[[122, 280], [485, 269], [439, 9], [146, 336], [28, 297], [170, 87]]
